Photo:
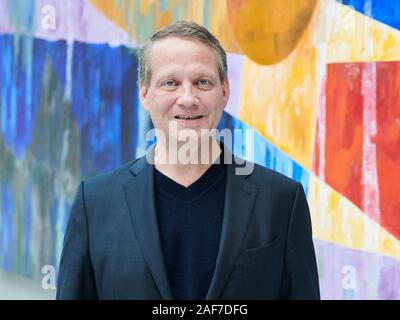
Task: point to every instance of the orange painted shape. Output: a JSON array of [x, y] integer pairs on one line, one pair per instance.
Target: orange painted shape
[[112, 11], [267, 31]]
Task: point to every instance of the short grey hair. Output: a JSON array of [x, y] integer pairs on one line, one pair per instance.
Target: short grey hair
[[183, 30]]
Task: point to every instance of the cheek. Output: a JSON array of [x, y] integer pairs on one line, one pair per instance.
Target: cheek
[[215, 103], [164, 102]]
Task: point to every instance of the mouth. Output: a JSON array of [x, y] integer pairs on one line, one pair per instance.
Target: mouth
[[188, 117]]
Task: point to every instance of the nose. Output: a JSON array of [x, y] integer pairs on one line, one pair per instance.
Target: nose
[[187, 97]]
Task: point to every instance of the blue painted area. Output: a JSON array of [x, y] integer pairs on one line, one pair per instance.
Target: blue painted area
[[180, 12], [206, 14], [18, 80], [85, 110], [385, 11], [61, 232], [163, 5], [54, 217], [27, 233], [104, 99], [20, 14], [6, 227], [80, 100], [265, 153], [104, 104]]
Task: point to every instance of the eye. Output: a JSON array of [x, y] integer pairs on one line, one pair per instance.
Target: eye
[[204, 82], [169, 84]]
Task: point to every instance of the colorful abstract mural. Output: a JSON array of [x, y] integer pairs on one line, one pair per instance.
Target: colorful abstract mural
[[316, 79]]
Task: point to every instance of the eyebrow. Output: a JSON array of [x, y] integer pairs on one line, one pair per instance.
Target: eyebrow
[[167, 75]]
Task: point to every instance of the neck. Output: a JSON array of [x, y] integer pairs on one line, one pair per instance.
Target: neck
[[185, 163]]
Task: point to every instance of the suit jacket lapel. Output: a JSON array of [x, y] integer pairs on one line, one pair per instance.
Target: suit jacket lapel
[[139, 195], [240, 196]]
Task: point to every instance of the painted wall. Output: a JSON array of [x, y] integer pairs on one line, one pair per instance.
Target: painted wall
[[317, 80]]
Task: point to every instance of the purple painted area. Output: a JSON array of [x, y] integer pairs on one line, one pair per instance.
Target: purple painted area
[[235, 65], [376, 276], [4, 21], [80, 21], [76, 20]]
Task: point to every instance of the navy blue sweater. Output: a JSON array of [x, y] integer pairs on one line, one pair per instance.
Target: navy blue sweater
[[190, 222]]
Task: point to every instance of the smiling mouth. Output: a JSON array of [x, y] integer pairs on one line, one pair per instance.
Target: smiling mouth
[[192, 117]]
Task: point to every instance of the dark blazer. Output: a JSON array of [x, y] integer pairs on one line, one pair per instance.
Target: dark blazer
[[112, 248]]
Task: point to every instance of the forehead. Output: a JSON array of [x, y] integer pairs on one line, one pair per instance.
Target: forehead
[[173, 51]]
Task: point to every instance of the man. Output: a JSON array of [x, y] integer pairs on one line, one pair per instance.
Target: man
[[166, 228]]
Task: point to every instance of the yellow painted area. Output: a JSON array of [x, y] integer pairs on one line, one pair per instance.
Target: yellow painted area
[[112, 11], [268, 31], [255, 28], [220, 26], [130, 10], [145, 6], [196, 11], [163, 19], [125, 16], [354, 37], [280, 101], [141, 18], [337, 220]]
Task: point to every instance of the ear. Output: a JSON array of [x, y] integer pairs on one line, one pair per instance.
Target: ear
[[225, 92], [143, 91]]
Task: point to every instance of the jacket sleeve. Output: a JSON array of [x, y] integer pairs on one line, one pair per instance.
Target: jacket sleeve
[[75, 275], [300, 274]]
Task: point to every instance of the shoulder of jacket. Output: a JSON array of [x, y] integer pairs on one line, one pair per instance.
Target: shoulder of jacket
[[264, 177]]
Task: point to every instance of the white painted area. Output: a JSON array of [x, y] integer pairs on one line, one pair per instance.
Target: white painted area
[[320, 38], [235, 66], [370, 185], [16, 287]]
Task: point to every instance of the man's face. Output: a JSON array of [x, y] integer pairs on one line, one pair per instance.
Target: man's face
[[185, 87]]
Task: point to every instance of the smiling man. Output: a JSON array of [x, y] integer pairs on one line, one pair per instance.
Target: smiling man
[[161, 227], [185, 88]]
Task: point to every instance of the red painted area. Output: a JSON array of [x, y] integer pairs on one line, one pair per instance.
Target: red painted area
[[344, 132], [344, 136], [388, 144]]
